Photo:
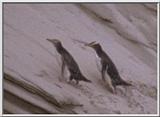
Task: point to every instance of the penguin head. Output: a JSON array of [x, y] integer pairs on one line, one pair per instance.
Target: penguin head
[[55, 42], [94, 45]]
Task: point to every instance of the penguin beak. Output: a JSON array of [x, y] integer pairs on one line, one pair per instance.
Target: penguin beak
[[90, 44], [49, 40], [52, 40]]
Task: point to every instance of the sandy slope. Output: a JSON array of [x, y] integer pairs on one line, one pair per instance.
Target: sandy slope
[[33, 82]]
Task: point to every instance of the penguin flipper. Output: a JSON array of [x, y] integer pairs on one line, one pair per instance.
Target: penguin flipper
[[62, 67]]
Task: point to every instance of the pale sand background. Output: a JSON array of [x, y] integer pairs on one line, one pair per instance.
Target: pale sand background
[[127, 32]]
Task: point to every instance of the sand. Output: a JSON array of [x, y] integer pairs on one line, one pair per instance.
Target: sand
[[33, 82]]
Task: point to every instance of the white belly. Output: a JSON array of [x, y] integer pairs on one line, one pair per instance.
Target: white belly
[[109, 81], [107, 77], [98, 63], [66, 72]]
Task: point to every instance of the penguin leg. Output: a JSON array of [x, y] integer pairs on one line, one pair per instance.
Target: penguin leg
[[126, 89], [115, 90], [71, 78], [77, 82], [111, 85]]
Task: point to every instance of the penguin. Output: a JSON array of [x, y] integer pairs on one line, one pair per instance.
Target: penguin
[[107, 67], [69, 62]]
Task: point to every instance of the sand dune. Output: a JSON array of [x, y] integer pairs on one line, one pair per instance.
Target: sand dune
[[32, 79]]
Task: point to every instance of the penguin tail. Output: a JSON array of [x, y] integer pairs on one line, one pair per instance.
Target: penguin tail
[[122, 82], [86, 80]]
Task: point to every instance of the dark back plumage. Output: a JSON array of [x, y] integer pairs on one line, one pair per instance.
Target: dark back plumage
[[108, 65], [68, 60]]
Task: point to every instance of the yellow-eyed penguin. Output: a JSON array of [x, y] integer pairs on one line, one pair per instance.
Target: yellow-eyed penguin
[[69, 62], [108, 67]]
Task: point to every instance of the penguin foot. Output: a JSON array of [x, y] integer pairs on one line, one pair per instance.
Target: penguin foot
[[114, 91], [69, 81]]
